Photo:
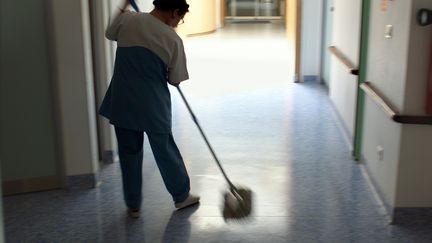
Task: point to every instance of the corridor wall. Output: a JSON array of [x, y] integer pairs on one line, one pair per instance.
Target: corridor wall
[[72, 58], [387, 62], [398, 68], [48, 128], [2, 236], [28, 141], [346, 37], [416, 153], [201, 18]]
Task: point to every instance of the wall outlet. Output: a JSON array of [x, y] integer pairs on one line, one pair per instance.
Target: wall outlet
[[388, 31], [380, 151]]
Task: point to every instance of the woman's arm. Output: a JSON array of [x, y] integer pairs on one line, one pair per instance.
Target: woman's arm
[[113, 27]]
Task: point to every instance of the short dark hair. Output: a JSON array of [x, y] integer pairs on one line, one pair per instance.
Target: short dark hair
[[169, 5]]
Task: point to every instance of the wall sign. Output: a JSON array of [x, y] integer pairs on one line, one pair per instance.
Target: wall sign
[[384, 5]]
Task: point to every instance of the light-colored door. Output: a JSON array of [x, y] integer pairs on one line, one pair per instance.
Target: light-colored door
[[293, 31], [327, 39]]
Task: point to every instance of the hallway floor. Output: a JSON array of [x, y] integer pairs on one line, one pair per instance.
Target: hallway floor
[[281, 139]]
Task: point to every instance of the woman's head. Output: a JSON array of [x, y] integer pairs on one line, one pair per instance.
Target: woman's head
[[172, 5], [173, 11]]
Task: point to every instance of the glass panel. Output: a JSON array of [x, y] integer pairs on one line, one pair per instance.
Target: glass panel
[[254, 8]]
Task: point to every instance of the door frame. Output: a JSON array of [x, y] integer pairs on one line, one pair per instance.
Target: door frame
[[364, 45], [293, 23], [327, 22]]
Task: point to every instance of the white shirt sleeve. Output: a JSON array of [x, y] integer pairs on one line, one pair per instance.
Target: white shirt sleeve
[[177, 67], [111, 33]]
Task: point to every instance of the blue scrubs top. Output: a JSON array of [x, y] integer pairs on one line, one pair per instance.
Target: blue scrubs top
[[149, 55]]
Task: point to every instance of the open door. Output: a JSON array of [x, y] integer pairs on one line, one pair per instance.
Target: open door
[[293, 31], [222, 7]]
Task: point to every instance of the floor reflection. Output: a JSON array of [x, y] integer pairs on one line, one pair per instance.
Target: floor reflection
[[179, 227]]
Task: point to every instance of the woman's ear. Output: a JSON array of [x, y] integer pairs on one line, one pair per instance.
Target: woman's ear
[[176, 13]]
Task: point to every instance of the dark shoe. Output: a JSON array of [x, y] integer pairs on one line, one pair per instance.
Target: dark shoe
[[134, 212]]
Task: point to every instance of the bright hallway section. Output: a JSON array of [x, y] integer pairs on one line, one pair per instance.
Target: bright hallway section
[[281, 139]]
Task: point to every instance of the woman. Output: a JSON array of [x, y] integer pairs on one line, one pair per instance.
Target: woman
[[149, 55]]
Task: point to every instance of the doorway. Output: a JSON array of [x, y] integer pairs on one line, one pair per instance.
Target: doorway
[[254, 9]]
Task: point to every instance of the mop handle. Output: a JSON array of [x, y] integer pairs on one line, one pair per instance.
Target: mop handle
[[205, 138], [134, 5]]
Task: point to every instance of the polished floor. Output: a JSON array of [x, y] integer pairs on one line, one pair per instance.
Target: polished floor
[[283, 140]]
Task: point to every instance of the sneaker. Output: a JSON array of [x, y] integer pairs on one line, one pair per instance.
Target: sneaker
[[134, 212], [190, 200]]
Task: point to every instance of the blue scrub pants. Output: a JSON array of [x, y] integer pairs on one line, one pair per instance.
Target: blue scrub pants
[[168, 159]]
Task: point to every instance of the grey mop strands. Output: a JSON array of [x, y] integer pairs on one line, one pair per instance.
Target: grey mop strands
[[237, 201]]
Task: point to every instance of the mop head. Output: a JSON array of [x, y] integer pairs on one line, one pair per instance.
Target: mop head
[[237, 204]]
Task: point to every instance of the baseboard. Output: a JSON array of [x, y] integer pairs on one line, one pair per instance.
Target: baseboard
[[80, 182], [412, 216], [344, 129], [109, 156], [296, 79], [396, 215], [31, 185], [307, 78], [376, 190], [201, 33]]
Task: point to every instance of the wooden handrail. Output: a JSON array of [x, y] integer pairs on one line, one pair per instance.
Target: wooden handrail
[[395, 116], [341, 57], [367, 88]]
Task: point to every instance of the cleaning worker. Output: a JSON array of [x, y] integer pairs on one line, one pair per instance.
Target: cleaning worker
[[150, 55]]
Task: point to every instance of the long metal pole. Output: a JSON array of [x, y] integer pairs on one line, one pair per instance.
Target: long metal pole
[[205, 138]]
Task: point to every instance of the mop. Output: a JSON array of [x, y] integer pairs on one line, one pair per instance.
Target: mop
[[238, 200]]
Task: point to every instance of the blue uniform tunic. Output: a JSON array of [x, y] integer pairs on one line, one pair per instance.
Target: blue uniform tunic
[[149, 55]]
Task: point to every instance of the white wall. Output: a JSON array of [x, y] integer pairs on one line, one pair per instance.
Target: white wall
[[311, 37], [346, 37], [387, 62], [398, 68], [145, 5], [380, 131], [415, 167], [415, 173], [74, 79], [218, 13], [386, 70]]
